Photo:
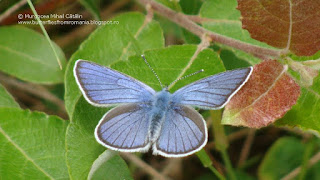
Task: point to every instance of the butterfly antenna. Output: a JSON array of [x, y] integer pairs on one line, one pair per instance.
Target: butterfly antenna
[[152, 70], [186, 76]]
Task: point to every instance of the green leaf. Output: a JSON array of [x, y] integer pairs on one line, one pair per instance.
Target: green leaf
[[305, 114], [32, 145], [226, 20], [190, 6], [174, 5], [109, 166], [82, 148], [233, 58], [6, 100], [27, 55], [93, 7], [284, 155], [313, 172], [111, 43], [161, 61]]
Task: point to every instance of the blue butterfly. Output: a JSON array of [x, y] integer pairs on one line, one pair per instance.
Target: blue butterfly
[[146, 118]]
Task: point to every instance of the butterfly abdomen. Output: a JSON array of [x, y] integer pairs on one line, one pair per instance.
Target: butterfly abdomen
[[159, 109]]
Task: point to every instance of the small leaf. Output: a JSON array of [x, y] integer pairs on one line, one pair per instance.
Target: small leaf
[[32, 145], [109, 166], [284, 155], [6, 100], [27, 55], [270, 21], [92, 6], [306, 73], [111, 43], [266, 97]]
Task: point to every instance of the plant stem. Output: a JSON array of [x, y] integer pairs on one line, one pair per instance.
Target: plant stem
[[314, 159], [34, 89], [184, 21], [306, 156], [206, 161], [246, 147], [144, 166], [12, 9], [44, 32], [228, 164], [221, 141]]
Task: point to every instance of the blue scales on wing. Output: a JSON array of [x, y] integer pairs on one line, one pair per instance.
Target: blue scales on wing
[[102, 86], [214, 91], [183, 132], [125, 128]]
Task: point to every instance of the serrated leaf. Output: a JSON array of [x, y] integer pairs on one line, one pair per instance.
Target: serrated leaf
[[225, 20], [109, 166], [27, 55], [111, 43], [6, 100], [80, 134], [284, 155], [92, 6], [266, 97], [32, 145], [270, 21]]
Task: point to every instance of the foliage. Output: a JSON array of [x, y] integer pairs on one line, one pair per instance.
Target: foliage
[[279, 39]]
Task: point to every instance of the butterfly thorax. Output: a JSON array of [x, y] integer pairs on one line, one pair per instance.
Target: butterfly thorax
[[161, 103]]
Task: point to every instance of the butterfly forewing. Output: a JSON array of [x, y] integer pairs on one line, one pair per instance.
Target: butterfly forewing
[[183, 132], [214, 91], [102, 86], [125, 128]]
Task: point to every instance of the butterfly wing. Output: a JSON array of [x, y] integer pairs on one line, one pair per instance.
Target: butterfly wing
[[125, 128], [214, 91], [102, 86], [183, 132]]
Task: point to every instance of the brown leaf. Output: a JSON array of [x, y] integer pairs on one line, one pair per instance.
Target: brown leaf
[[266, 97], [269, 21]]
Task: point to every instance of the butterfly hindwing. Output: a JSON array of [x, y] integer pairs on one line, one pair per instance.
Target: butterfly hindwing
[[102, 86], [214, 91], [183, 132], [125, 128]]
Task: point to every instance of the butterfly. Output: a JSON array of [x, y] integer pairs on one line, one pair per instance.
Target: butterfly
[[144, 118]]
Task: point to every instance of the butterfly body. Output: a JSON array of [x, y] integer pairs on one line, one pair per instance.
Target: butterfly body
[[145, 118], [160, 105]]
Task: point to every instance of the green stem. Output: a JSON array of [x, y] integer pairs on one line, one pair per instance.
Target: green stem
[[206, 161], [228, 165], [306, 157], [221, 141], [44, 32]]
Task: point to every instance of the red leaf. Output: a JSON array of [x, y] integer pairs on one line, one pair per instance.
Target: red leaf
[[266, 97], [269, 21]]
